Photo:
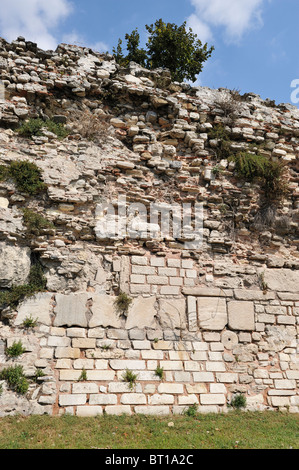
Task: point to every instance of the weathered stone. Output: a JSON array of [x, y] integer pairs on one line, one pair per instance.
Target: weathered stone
[[282, 280], [38, 308], [241, 315], [104, 313], [71, 310], [172, 313], [142, 313], [14, 265]]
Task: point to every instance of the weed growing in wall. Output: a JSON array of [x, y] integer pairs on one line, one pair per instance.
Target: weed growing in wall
[[130, 378], [15, 379], [257, 168], [239, 401]]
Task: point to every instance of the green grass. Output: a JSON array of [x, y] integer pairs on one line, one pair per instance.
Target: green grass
[[235, 430]]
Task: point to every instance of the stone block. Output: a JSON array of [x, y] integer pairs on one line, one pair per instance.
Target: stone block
[[170, 290], [118, 364], [118, 410], [102, 399], [70, 353], [133, 399], [172, 313], [139, 260], [71, 310], [83, 364], [153, 410], [104, 313], [163, 399], [203, 377], [250, 295], [84, 343], [171, 365], [241, 315], [76, 332], [59, 341], [158, 280], [85, 388], [212, 313], [171, 388], [100, 375]]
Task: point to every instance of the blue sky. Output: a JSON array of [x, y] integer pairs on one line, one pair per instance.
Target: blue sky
[[256, 41]]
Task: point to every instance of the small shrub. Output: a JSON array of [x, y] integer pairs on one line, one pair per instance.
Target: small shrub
[[220, 133], [90, 126], [26, 176], [15, 350], [37, 281], [122, 303], [1, 389], [15, 378], [35, 223], [3, 172], [130, 378], [239, 401]]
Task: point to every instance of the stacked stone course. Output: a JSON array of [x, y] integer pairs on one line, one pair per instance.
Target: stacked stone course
[[220, 319]]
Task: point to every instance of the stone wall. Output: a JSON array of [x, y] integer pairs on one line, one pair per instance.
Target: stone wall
[[212, 343]]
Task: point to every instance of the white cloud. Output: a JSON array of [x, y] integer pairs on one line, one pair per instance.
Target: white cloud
[[33, 19], [235, 16]]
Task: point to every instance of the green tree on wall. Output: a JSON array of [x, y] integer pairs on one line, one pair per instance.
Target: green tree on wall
[[169, 46]]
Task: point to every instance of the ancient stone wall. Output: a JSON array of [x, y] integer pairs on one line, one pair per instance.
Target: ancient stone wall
[[204, 323]]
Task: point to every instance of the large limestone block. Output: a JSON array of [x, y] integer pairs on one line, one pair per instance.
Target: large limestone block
[[282, 280], [212, 313], [71, 310], [37, 307], [104, 313], [14, 265], [142, 313], [172, 313], [241, 315]]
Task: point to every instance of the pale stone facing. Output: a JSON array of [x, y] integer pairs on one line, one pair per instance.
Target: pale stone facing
[[70, 310], [241, 315], [212, 313]]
